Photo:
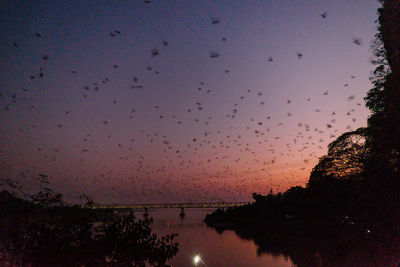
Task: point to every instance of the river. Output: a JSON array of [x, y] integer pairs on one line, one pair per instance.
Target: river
[[215, 249]]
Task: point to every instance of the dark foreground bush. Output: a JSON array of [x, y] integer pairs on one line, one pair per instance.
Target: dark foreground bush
[[41, 230]]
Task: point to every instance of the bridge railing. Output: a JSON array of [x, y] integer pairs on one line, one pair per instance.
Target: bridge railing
[[172, 205]]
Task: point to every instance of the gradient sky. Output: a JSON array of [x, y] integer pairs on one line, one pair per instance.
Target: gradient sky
[[229, 126]]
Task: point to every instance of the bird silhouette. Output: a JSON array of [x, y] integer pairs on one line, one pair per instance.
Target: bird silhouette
[[351, 97], [357, 41], [299, 55], [214, 54], [215, 20], [155, 52]]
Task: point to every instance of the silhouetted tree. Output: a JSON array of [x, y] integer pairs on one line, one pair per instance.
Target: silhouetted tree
[[345, 158], [42, 230], [384, 98]]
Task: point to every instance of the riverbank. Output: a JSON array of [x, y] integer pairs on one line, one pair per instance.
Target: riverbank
[[315, 241]]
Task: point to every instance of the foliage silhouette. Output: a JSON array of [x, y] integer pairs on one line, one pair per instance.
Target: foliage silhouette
[[42, 230], [384, 98]]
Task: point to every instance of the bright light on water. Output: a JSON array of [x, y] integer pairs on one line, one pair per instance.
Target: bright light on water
[[196, 259]]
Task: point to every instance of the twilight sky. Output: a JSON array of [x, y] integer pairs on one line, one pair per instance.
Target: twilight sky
[[178, 101]]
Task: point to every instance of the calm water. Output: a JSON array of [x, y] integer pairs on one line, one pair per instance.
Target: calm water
[[216, 249]]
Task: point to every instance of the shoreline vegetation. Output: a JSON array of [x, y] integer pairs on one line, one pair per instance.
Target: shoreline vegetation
[[42, 230], [348, 213]]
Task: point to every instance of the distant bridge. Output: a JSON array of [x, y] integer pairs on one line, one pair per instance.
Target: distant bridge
[[172, 205]]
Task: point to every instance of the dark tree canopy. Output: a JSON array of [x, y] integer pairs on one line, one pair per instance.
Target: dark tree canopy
[[345, 159], [384, 98], [42, 230]]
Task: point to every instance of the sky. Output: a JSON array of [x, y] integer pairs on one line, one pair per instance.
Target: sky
[[178, 101]]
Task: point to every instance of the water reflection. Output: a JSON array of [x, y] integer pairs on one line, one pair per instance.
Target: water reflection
[[182, 214], [216, 249], [317, 245], [275, 245]]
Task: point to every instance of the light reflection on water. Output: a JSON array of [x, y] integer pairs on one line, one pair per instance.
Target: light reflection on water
[[216, 249]]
